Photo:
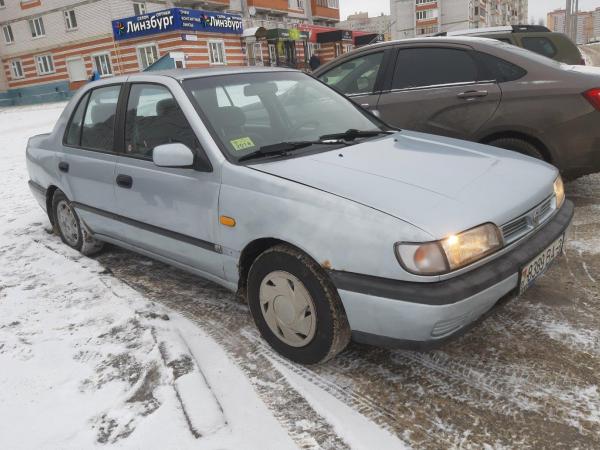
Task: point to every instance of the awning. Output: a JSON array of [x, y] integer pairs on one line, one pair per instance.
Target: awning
[[334, 36], [367, 39], [292, 34], [257, 32]]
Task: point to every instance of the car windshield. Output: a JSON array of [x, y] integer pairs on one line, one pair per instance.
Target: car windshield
[[248, 113]]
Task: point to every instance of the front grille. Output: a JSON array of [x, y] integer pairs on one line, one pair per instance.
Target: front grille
[[519, 227], [514, 228]]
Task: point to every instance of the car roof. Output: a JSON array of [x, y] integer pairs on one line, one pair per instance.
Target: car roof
[[464, 40], [182, 74], [498, 30]]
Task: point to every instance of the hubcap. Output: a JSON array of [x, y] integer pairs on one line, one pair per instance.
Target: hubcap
[[288, 308], [67, 222]]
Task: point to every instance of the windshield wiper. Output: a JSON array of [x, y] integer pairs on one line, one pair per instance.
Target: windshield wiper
[[352, 134], [281, 149]]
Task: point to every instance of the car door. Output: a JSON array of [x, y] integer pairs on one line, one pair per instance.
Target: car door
[[439, 90], [358, 78], [171, 212], [88, 158]]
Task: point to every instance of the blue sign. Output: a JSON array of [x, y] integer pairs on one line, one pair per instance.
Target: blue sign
[[177, 19]]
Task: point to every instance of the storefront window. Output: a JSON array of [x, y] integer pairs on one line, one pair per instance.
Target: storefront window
[[147, 55], [102, 64], [216, 51], [272, 55]]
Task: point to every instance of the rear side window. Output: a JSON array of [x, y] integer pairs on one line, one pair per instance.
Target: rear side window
[[541, 45], [73, 136], [357, 76], [98, 131], [418, 67], [499, 69], [154, 118]]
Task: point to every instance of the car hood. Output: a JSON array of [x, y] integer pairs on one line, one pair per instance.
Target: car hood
[[437, 184]]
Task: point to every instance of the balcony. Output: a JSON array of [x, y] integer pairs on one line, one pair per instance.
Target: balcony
[[273, 6], [26, 4], [203, 4], [424, 6], [324, 12]]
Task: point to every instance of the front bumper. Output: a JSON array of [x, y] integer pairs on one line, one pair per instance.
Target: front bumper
[[396, 313]]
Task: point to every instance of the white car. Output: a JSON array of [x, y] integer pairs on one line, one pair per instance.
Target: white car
[[330, 223]]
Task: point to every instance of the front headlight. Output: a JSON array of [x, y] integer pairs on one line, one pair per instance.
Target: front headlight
[[559, 191], [451, 253]]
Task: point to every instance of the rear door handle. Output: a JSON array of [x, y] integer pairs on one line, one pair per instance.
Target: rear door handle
[[63, 166], [124, 181], [472, 94]]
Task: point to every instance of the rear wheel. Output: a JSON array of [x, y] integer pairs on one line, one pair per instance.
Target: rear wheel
[[296, 307], [70, 228], [519, 146]]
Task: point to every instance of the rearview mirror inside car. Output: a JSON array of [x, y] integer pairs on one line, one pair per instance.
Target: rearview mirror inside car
[[173, 155], [258, 89]]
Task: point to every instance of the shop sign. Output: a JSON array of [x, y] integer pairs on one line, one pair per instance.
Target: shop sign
[[292, 34], [346, 35], [176, 19]]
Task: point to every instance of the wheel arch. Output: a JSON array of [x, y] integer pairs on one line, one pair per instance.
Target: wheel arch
[[49, 196], [511, 134], [254, 249]]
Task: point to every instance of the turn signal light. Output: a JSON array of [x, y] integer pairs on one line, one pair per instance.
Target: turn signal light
[[227, 221], [593, 96]]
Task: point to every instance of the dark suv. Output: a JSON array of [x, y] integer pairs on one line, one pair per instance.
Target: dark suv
[[538, 39], [482, 90]]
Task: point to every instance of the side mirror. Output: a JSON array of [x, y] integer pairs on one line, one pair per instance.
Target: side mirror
[[173, 155]]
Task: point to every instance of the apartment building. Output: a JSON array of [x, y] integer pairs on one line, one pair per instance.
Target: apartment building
[[287, 13], [586, 24], [596, 27], [412, 18], [50, 47], [362, 22]]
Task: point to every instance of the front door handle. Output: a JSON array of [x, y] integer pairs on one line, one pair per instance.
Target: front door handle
[[124, 181], [472, 94], [63, 166]]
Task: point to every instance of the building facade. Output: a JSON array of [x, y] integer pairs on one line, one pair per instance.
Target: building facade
[[362, 22], [48, 48], [413, 18], [596, 26], [587, 22]]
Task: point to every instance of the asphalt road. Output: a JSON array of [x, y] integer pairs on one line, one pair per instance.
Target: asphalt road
[[526, 377]]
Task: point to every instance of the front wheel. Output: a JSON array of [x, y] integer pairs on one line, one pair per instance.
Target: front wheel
[[70, 228], [296, 307], [519, 146]]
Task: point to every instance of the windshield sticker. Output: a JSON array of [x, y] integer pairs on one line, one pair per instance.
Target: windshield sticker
[[242, 144]]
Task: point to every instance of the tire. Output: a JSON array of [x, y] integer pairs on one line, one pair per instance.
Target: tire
[[519, 146], [70, 228], [285, 270]]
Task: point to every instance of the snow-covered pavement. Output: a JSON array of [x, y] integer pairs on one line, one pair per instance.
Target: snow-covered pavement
[[120, 351]]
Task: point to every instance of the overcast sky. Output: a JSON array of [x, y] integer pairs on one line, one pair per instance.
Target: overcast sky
[[537, 8]]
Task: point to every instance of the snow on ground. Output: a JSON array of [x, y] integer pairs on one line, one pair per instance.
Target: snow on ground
[[85, 360]]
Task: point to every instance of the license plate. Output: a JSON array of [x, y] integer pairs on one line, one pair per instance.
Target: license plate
[[539, 264]]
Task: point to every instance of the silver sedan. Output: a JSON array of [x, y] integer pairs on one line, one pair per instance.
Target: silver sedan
[[330, 223]]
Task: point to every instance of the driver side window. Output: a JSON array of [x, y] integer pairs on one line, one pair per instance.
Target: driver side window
[[357, 76], [154, 118]]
